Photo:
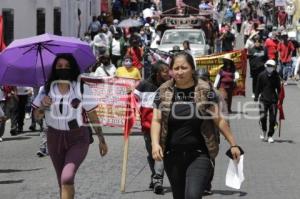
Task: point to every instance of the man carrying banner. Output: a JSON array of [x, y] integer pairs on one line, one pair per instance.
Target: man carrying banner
[[145, 93], [268, 88]]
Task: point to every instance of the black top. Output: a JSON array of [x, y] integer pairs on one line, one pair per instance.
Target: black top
[[184, 123], [268, 85], [227, 44]]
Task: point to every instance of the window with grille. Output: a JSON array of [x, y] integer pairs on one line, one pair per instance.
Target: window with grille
[[40, 21], [57, 21], [8, 25]]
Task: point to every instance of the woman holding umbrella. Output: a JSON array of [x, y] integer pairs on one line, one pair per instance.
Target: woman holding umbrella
[[62, 101]]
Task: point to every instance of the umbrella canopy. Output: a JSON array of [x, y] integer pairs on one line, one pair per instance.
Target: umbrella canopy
[[130, 23], [28, 62]]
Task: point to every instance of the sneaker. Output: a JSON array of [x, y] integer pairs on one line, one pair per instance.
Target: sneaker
[[158, 188], [1, 139], [253, 96], [151, 185], [158, 184], [41, 153], [285, 84], [263, 136], [13, 132], [32, 128], [207, 192], [270, 140], [27, 116]]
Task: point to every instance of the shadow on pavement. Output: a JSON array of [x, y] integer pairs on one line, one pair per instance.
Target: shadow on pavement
[[166, 190], [138, 191], [121, 134], [33, 134], [11, 181], [229, 192], [18, 170], [16, 138], [285, 141]]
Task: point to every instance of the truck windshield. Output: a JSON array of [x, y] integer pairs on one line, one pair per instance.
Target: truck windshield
[[180, 36]]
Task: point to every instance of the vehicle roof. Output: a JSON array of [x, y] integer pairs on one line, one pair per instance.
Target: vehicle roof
[[184, 30]]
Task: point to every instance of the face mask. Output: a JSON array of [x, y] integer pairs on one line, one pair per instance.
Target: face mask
[[270, 69], [63, 74], [127, 63]]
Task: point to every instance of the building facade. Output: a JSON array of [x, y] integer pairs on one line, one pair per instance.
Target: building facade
[[34, 17]]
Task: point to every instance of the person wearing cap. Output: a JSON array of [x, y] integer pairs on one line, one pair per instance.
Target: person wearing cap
[[267, 91], [114, 29], [257, 59], [226, 80], [285, 49]]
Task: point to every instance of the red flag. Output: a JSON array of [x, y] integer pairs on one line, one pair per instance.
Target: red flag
[[2, 44], [130, 115], [280, 102]]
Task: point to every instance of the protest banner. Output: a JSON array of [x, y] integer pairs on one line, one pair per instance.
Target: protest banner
[[117, 108], [112, 95], [214, 62]]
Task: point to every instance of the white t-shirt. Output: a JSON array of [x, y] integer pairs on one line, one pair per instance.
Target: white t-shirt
[[115, 47], [61, 111], [111, 70]]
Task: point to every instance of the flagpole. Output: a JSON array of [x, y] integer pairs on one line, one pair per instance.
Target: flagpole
[[124, 166]]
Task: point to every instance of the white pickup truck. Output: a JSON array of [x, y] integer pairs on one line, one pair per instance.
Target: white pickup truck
[[175, 37]]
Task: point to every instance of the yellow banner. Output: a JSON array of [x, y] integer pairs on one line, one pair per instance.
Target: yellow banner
[[214, 62]]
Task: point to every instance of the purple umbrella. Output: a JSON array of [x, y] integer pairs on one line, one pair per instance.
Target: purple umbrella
[[28, 62]]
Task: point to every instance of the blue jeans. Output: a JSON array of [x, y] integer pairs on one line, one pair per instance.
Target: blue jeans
[[188, 172], [287, 70]]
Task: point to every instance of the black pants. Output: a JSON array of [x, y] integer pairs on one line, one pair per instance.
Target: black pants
[[266, 108], [188, 173], [21, 110]]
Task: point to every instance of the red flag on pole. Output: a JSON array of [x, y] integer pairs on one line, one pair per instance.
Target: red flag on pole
[[129, 115], [280, 102], [2, 44]]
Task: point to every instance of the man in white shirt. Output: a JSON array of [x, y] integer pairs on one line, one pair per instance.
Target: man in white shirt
[[106, 69]]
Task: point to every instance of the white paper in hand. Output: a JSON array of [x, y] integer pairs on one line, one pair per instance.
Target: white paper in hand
[[235, 174]]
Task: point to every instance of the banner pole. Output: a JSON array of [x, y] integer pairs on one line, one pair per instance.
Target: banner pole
[[124, 166]]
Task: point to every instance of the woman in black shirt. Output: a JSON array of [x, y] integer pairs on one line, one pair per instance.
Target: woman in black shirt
[[183, 129]]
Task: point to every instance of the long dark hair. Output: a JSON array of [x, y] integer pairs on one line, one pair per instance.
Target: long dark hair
[[155, 69], [190, 60], [53, 76], [230, 64]]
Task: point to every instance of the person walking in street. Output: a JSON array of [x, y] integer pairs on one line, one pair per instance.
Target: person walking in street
[[145, 93], [180, 129], [228, 39], [285, 49], [267, 91], [117, 49], [226, 80], [257, 59], [23, 94], [62, 101], [10, 108], [94, 27]]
